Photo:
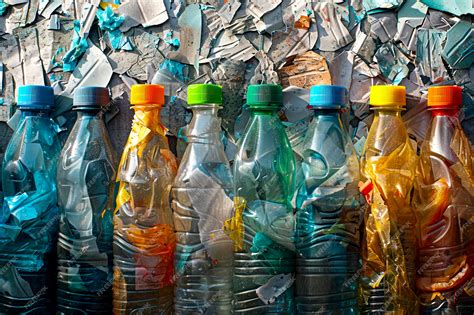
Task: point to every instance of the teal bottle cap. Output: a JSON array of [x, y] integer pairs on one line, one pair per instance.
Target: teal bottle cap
[[328, 96], [37, 97], [200, 94], [265, 96]]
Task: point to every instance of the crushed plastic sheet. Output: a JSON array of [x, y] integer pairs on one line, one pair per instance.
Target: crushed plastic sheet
[[456, 7], [392, 63], [190, 23], [428, 54], [143, 12], [459, 47], [304, 71]]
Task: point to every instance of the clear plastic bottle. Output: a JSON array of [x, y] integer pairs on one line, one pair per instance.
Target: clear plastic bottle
[[201, 202], [389, 250], [263, 225], [144, 238], [444, 202], [86, 176], [328, 216], [29, 217]]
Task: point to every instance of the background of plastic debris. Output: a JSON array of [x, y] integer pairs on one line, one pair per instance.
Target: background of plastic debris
[[354, 43]]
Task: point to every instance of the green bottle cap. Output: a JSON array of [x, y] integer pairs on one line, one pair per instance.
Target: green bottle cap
[[199, 94], [265, 96]]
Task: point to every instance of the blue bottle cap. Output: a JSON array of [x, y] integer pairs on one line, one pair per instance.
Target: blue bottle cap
[[91, 97], [328, 96], [37, 97]]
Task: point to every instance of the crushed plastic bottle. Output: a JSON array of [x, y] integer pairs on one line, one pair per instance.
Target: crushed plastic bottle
[[29, 217], [328, 215], [444, 203], [263, 225], [86, 176], [144, 238], [389, 249], [201, 203]]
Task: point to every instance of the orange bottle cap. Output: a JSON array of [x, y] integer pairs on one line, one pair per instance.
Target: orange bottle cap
[[145, 94], [439, 96]]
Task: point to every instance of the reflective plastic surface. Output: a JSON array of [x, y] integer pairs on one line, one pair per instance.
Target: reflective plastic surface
[[389, 248], [444, 201], [29, 217], [263, 225], [328, 219], [86, 175], [144, 238], [201, 202]]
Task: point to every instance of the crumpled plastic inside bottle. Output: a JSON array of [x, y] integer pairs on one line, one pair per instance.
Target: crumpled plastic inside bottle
[[384, 253], [155, 244], [444, 195]]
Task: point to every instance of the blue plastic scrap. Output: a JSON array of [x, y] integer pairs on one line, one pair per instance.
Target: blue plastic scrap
[[459, 48], [175, 67], [392, 63], [3, 7], [456, 7], [110, 22], [428, 54], [79, 46], [174, 42]]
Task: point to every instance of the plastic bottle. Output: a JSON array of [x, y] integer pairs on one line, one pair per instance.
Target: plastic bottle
[[389, 249], [29, 217], [86, 175], [444, 202], [144, 239], [328, 216], [201, 202], [263, 225]]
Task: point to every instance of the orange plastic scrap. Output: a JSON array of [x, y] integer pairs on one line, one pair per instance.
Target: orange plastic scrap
[[304, 22], [443, 199]]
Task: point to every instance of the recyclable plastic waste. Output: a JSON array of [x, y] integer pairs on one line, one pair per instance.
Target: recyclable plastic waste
[[389, 249], [144, 238], [201, 203], [29, 216], [328, 211], [263, 224], [86, 176], [444, 203]]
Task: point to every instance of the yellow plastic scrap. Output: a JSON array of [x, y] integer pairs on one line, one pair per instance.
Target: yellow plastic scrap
[[138, 140], [389, 224], [234, 227]]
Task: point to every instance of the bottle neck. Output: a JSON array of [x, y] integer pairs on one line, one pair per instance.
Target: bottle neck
[[328, 114], [205, 124], [263, 112], [392, 112], [451, 112], [148, 116], [88, 114], [34, 113]]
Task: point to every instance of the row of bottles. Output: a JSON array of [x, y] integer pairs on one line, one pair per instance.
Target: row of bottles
[[277, 232]]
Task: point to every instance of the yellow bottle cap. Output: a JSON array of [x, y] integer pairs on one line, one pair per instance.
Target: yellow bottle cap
[[387, 95], [147, 94]]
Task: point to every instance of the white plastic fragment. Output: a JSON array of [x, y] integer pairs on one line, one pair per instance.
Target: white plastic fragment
[[275, 287], [93, 69], [145, 12]]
